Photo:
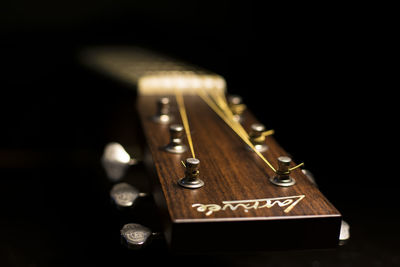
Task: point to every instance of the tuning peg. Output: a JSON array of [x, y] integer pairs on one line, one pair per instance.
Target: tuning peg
[[116, 161], [191, 179], [124, 195], [163, 115], [282, 176], [176, 145], [309, 176], [257, 137], [136, 236], [344, 233], [237, 107]]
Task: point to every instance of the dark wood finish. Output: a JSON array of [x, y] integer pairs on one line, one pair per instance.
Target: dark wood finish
[[231, 172]]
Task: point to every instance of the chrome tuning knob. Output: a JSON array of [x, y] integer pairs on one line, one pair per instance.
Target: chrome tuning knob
[[309, 176], [344, 233], [124, 195], [116, 161], [136, 236]]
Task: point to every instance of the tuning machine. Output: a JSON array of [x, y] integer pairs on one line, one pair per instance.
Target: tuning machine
[[116, 161], [309, 176], [344, 233], [176, 144], [257, 137], [124, 195], [191, 179], [136, 236], [163, 115], [237, 107], [282, 177]]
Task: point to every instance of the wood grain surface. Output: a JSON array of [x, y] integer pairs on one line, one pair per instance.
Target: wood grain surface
[[231, 172]]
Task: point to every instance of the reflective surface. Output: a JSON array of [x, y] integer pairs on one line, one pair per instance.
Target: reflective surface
[[124, 195], [135, 236], [116, 161]]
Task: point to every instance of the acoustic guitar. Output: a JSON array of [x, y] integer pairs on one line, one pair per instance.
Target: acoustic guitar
[[218, 178]]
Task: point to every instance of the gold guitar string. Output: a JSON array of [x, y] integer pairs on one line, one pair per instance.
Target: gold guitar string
[[217, 103], [269, 132], [185, 121], [221, 103], [297, 166], [239, 130]]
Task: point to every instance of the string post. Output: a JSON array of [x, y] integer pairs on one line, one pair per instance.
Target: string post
[[191, 179], [257, 137], [226, 115], [282, 175], [163, 111], [176, 144], [237, 107]]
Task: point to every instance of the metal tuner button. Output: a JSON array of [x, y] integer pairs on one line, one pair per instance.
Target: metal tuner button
[[116, 160], [309, 176], [124, 195], [344, 233], [135, 236]]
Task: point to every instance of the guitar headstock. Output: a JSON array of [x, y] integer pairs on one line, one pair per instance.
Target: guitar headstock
[[241, 197], [219, 178]]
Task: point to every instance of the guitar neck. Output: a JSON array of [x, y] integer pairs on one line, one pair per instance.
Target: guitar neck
[[151, 73]]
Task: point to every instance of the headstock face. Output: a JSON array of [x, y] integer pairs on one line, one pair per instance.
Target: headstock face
[[238, 207], [230, 170], [237, 186]]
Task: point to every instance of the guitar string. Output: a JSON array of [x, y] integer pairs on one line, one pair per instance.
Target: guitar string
[[238, 130], [221, 102], [223, 105], [217, 103], [185, 121]]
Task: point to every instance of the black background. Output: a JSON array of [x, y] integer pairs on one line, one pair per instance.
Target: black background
[[315, 74]]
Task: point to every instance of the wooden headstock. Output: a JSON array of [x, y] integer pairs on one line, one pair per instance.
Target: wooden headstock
[[239, 207]]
